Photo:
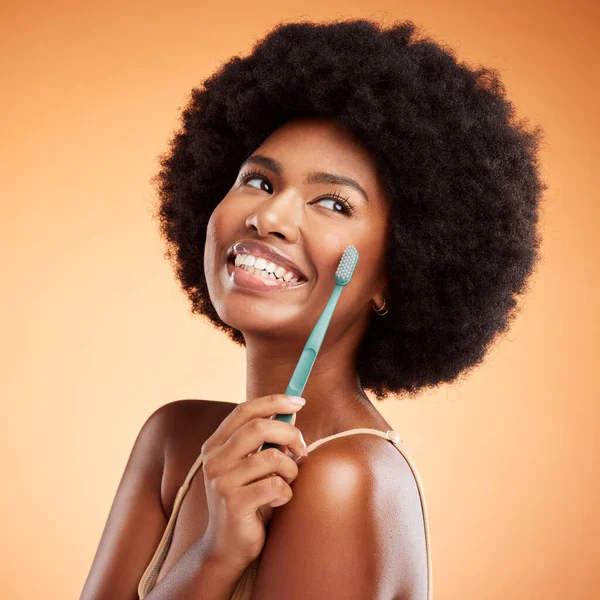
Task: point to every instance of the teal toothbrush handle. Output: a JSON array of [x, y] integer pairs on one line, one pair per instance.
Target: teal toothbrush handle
[[307, 358]]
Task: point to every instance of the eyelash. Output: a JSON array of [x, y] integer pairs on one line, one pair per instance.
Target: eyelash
[[334, 195]]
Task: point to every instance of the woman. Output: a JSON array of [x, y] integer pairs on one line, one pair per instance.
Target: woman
[[422, 168]]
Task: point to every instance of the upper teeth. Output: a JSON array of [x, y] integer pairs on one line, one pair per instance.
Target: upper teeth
[[260, 264]]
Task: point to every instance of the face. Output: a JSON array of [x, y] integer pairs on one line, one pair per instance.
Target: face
[[305, 222]]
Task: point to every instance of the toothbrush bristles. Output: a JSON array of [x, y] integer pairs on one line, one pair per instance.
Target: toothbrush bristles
[[346, 266]]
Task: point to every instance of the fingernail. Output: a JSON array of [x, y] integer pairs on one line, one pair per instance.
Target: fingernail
[[297, 401]]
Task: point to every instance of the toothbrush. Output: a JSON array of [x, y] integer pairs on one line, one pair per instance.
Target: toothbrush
[[343, 275]]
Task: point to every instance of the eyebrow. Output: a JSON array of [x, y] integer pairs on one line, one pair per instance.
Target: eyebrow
[[314, 177]]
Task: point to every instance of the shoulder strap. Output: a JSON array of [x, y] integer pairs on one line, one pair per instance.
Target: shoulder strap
[[394, 437], [390, 434], [193, 469], [148, 579]]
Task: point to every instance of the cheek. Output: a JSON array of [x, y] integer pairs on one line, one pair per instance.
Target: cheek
[[369, 240], [216, 235], [373, 243]]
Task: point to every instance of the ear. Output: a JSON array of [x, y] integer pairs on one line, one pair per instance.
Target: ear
[[380, 288], [378, 300]]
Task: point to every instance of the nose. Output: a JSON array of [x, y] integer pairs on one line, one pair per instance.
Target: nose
[[276, 216]]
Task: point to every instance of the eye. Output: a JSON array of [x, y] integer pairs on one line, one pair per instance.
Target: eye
[[340, 200], [247, 176], [334, 196]]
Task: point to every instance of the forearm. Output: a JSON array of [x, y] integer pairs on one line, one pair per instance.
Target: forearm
[[197, 576]]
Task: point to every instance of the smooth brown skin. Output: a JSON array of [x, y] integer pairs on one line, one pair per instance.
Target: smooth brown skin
[[352, 527]]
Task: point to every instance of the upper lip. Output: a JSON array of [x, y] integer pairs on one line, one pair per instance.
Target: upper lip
[[257, 248]]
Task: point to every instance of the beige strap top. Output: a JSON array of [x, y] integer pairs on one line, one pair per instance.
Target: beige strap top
[[243, 590]]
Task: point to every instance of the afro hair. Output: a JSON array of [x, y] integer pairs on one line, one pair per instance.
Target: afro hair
[[460, 170]]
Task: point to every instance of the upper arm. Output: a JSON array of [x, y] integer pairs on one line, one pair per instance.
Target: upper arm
[[136, 521], [352, 530]]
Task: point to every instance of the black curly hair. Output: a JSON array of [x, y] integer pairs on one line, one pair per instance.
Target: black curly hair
[[461, 172]]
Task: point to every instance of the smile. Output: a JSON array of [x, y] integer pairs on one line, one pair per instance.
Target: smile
[[246, 276]]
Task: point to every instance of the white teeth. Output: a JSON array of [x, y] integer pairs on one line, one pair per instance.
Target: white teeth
[[256, 264], [287, 278], [260, 263]]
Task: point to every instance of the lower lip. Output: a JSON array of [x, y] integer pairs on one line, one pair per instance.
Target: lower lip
[[244, 279]]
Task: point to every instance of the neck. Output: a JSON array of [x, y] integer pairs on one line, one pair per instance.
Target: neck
[[335, 400]]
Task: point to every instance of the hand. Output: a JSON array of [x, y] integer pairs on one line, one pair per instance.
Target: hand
[[243, 485]]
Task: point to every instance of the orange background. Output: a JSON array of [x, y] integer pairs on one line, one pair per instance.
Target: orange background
[[97, 335]]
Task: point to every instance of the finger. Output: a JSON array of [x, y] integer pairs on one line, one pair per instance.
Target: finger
[[254, 434], [266, 491], [285, 448], [263, 407], [263, 464]]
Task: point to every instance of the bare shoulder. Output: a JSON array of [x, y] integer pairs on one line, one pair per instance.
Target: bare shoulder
[[376, 458], [378, 464], [166, 442], [190, 413], [393, 510], [362, 492], [187, 425]]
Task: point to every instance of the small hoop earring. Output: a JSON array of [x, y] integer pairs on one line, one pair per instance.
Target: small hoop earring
[[381, 310]]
